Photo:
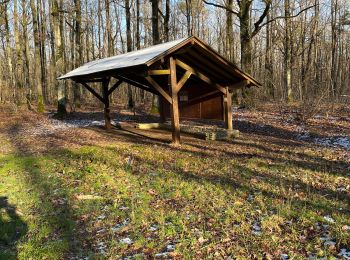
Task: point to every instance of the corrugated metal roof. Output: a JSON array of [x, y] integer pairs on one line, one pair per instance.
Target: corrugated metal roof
[[129, 59]]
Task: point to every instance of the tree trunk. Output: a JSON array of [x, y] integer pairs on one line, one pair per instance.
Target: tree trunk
[[78, 52], [110, 50], [129, 48], [8, 55], [188, 17], [99, 24], [59, 56], [42, 40], [156, 40], [287, 53], [155, 22], [229, 33], [246, 48], [37, 59], [166, 20], [334, 17], [138, 44], [18, 80], [268, 60], [27, 80]]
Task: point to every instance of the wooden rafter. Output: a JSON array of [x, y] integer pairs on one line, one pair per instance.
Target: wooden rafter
[[115, 86], [92, 91], [137, 84], [200, 75], [159, 89], [183, 80]]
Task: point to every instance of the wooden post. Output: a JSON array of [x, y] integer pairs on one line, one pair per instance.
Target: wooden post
[[228, 109], [107, 115], [174, 108]]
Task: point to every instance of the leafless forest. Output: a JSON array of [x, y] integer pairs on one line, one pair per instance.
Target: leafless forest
[[298, 49]]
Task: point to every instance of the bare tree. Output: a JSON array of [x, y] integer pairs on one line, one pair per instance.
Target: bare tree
[[37, 58]]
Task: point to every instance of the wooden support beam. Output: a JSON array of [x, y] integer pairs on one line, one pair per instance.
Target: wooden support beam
[[183, 80], [137, 84], [158, 72], [159, 88], [199, 75], [174, 108], [228, 109], [115, 86], [107, 111], [92, 91]]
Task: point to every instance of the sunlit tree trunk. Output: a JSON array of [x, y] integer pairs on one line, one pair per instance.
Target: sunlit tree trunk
[[42, 40], [78, 52], [268, 59], [229, 33], [37, 60], [8, 54], [138, 41], [59, 56], [156, 40], [287, 53], [110, 49], [129, 47], [18, 80], [334, 18], [25, 50]]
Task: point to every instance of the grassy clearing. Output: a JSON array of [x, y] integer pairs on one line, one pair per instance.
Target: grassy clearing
[[90, 201]]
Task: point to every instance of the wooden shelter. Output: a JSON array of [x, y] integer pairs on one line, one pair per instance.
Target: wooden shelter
[[191, 79]]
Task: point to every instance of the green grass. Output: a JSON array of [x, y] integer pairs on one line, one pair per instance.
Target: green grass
[[205, 204]]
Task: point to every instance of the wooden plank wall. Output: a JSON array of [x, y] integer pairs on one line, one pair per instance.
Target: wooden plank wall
[[210, 108]]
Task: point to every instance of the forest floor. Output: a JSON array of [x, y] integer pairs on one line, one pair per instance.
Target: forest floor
[[71, 190]]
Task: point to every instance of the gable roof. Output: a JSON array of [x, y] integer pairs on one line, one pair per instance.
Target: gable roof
[[152, 54]]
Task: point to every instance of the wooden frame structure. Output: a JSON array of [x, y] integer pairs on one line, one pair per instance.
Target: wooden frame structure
[[164, 70]]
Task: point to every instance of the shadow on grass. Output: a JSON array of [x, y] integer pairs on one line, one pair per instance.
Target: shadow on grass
[[278, 156], [239, 180], [52, 210], [12, 229], [236, 180]]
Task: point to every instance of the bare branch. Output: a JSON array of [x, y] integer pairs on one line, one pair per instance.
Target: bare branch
[[257, 25], [161, 13], [221, 6], [286, 17]]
